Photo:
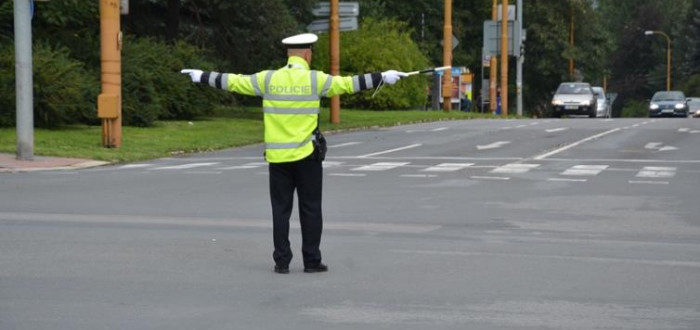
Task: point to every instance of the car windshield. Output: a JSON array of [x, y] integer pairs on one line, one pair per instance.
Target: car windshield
[[668, 96], [573, 89], [694, 102], [599, 92]]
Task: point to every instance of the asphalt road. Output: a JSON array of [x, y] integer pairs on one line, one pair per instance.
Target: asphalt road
[[485, 224]]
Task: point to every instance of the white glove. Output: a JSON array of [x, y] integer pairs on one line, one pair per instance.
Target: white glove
[[392, 76], [195, 74]]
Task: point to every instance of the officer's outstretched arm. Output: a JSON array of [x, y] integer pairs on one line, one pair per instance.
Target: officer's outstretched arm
[[337, 85], [241, 84]]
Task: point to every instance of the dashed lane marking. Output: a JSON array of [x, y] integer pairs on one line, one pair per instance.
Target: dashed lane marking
[[448, 167], [382, 166], [585, 170], [515, 168], [656, 172], [184, 166]]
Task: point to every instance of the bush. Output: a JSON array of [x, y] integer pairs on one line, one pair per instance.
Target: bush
[[154, 88], [379, 46], [64, 92], [635, 109]]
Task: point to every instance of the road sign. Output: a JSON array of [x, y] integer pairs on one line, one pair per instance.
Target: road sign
[[492, 39], [511, 12], [323, 9], [322, 25]]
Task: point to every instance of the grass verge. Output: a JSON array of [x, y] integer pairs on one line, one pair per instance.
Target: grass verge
[[232, 129]]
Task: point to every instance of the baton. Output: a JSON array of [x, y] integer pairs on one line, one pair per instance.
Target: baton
[[431, 70]]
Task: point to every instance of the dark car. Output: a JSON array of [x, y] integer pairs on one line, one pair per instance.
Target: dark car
[[574, 98], [668, 103]]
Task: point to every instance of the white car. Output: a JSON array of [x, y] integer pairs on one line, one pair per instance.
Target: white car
[[603, 108]]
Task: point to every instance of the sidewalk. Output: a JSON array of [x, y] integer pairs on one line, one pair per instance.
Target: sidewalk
[[9, 163]]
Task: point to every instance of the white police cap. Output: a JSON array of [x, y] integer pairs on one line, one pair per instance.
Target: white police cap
[[304, 40]]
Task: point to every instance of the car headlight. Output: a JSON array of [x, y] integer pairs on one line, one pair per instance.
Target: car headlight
[[557, 102], [680, 106], [654, 106], [589, 102]]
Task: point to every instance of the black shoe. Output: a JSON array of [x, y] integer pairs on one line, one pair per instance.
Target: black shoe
[[281, 269], [320, 268]]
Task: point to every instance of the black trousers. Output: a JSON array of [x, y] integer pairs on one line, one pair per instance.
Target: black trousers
[[306, 177]]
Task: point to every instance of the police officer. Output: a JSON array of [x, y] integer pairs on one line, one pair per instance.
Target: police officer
[[294, 145]]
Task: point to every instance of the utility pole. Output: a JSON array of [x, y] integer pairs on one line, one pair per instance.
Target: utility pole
[[447, 58], [571, 42], [24, 84], [504, 58], [334, 22], [493, 76], [519, 60], [109, 102]]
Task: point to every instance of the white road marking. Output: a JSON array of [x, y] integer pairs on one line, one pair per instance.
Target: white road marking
[[330, 164], [653, 145], [244, 166], [418, 175], [502, 178], [347, 174], [448, 167], [130, 166], [648, 182], [587, 170], [492, 145], [382, 166], [552, 130], [567, 147], [657, 172], [184, 166], [514, 168], [684, 129], [567, 180], [440, 129], [390, 150], [346, 144], [238, 167], [658, 146]]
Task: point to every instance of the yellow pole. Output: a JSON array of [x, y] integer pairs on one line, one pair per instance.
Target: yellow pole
[[335, 58], [571, 41], [668, 62], [109, 102], [447, 58], [504, 58], [493, 77]]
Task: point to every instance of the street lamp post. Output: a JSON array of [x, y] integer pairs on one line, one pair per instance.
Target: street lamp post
[[668, 55]]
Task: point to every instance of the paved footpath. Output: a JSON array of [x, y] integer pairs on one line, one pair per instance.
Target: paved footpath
[[9, 163]]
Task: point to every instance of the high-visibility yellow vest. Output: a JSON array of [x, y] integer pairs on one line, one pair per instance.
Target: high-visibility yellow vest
[[291, 102]]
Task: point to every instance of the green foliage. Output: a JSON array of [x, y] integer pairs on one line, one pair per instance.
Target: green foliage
[[692, 86], [635, 108], [154, 88], [64, 92], [378, 46]]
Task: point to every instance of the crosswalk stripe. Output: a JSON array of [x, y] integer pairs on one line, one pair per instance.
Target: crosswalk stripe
[[656, 172], [448, 167], [184, 166], [585, 170], [514, 168], [383, 166]]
